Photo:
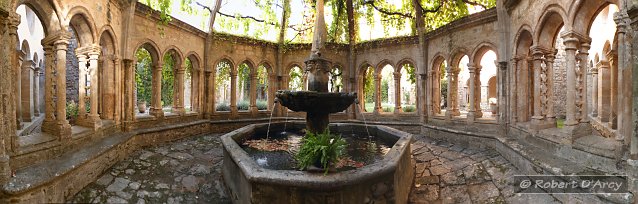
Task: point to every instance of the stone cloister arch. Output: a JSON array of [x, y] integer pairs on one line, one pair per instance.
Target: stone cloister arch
[[439, 70], [222, 80], [149, 74], [385, 74], [406, 85], [108, 76], [521, 77], [367, 80], [172, 77], [457, 74], [264, 86], [196, 85], [475, 67], [245, 83]]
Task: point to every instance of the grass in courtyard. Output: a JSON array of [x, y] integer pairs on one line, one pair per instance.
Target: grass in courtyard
[[560, 123], [369, 107]]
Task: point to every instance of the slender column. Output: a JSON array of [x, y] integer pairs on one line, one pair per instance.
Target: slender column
[[571, 44], [178, 96], [502, 92], [94, 115], [18, 83], [550, 57], [27, 90], [377, 93], [471, 114], [613, 112], [514, 79], [129, 101], [82, 62], [477, 93], [36, 90], [49, 83], [253, 94], [452, 92], [436, 95], [156, 97], [538, 117], [210, 94], [397, 92], [624, 76], [604, 85], [119, 105], [583, 55], [594, 93], [63, 124], [233, 93]]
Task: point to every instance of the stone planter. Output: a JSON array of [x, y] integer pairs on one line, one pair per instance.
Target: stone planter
[[141, 106]]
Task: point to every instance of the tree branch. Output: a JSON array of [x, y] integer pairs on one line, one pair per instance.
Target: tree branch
[[474, 4], [433, 10], [387, 12]]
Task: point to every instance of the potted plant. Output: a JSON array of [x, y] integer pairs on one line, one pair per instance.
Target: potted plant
[[493, 105], [320, 151], [141, 106]]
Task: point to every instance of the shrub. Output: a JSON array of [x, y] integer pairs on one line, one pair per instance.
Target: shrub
[[409, 109], [71, 110], [262, 105], [243, 105], [222, 107], [320, 149]]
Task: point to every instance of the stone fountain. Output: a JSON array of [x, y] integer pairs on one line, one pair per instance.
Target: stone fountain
[[249, 178]]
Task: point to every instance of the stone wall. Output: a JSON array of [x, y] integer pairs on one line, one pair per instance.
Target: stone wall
[[560, 78], [72, 70]]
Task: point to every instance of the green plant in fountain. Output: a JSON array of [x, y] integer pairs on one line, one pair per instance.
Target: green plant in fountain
[[321, 149]]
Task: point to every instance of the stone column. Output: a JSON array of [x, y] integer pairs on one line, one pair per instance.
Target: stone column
[[477, 93], [514, 79], [537, 117], [82, 61], [624, 76], [209, 92], [453, 85], [18, 61], [129, 100], [604, 85], [253, 94], [594, 93], [377, 93], [63, 126], [571, 44], [501, 92], [8, 31], [397, 92], [178, 93], [471, 114], [436, 95], [233, 93], [36, 90], [550, 57], [613, 111], [156, 97], [94, 116], [27, 90], [583, 55], [119, 105], [49, 91]]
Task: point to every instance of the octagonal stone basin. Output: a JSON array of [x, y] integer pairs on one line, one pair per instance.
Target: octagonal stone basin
[[386, 180]]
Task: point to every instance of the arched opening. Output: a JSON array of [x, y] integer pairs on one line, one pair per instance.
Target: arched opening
[[521, 110], [170, 62], [407, 90], [440, 86], [146, 58], [388, 88], [296, 81], [192, 82], [488, 70], [106, 77], [367, 87], [243, 86], [463, 94], [222, 85], [335, 84], [262, 87]]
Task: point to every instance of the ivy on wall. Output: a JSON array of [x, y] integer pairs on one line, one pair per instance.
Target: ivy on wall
[[143, 75]]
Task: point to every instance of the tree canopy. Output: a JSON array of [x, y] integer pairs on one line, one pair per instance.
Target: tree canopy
[[262, 19]]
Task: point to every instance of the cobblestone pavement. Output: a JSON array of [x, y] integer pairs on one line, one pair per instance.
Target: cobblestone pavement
[[188, 171]]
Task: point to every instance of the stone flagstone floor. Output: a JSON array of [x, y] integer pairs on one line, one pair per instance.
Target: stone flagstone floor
[[189, 171]]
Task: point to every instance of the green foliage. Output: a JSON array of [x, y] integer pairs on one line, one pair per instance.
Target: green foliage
[[385, 86], [243, 82], [71, 110], [168, 80], [320, 149], [368, 85], [296, 79], [262, 105], [336, 80], [222, 107], [444, 85], [411, 71], [222, 81], [243, 105], [409, 108], [143, 75]]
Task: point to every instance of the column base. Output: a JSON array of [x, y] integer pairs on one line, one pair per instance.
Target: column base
[[576, 131], [448, 115], [127, 125], [471, 116], [478, 114], [179, 110], [5, 169], [60, 129], [398, 109], [91, 121], [157, 112], [539, 123], [456, 112]]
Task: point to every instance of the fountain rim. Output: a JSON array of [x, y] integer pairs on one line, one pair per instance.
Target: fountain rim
[[310, 180]]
